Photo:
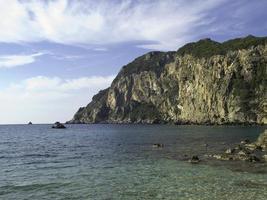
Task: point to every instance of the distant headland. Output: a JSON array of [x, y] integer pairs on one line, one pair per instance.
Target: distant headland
[[204, 82]]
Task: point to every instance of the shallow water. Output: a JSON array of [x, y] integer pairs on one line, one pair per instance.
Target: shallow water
[[118, 162]]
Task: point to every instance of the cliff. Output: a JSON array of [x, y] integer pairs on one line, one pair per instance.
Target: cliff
[[202, 82]]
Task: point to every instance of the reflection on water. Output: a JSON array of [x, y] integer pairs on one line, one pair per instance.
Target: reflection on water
[[119, 162]]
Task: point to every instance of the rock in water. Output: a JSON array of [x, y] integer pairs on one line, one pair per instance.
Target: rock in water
[[205, 82], [262, 140], [246, 141], [229, 151], [30, 123], [158, 145], [194, 159], [245, 151], [58, 125], [253, 158]]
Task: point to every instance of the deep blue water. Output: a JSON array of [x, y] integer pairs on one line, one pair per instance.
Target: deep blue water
[[119, 162]]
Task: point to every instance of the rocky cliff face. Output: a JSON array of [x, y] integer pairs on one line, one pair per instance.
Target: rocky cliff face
[[203, 82]]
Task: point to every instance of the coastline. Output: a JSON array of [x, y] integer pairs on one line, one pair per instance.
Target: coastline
[[175, 123]]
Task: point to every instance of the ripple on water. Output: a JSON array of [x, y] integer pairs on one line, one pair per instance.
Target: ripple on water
[[118, 162]]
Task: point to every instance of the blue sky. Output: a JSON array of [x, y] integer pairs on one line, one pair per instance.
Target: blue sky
[[56, 54]]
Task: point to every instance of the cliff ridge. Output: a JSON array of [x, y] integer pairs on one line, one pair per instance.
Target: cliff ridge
[[202, 82]]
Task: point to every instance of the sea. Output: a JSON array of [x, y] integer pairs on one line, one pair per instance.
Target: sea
[[119, 162]]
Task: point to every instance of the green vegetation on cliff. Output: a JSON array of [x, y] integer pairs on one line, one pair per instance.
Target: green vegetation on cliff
[[207, 47], [154, 61]]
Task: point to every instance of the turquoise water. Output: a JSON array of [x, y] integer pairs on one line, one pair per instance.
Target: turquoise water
[[119, 162]]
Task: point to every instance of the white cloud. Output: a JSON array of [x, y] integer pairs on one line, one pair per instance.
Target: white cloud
[[10, 61], [48, 99], [167, 23], [100, 49]]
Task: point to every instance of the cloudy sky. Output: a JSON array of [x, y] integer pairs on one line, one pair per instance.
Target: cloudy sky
[[55, 54]]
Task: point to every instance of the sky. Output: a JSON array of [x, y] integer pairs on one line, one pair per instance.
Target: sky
[[56, 54]]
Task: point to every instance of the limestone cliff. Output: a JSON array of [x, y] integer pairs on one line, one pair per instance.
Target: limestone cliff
[[202, 82]]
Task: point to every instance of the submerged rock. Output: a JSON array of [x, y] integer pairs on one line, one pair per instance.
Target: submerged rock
[[158, 145], [58, 125], [246, 141], [222, 157], [253, 158], [229, 151], [194, 160]]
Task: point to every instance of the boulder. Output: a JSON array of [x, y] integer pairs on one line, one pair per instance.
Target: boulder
[[229, 151], [158, 145], [262, 140], [246, 141], [252, 147], [194, 159], [58, 125], [253, 158], [242, 153], [223, 156]]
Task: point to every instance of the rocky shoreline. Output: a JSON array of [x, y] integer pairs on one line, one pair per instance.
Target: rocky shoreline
[[244, 156], [173, 123], [246, 151], [252, 152]]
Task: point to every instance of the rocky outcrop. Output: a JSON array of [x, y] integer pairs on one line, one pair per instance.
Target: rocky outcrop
[[246, 151], [262, 140], [202, 82], [158, 145], [195, 159], [58, 125]]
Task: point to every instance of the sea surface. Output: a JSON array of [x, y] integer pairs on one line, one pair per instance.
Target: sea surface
[[104, 162]]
